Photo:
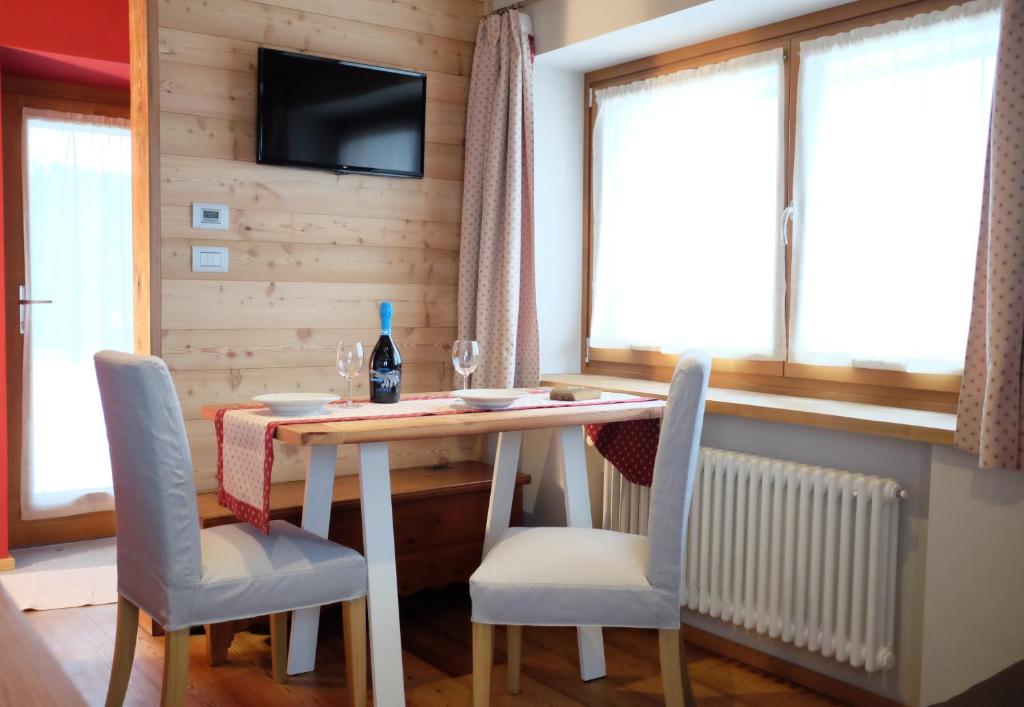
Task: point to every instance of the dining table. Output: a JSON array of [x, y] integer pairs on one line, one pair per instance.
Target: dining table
[[372, 437]]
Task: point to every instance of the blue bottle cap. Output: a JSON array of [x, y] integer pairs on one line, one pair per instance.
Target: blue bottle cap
[[385, 309]]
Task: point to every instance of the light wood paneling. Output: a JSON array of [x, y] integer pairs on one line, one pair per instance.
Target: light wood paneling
[[264, 187], [406, 485], [240, 55], [290, 462], [245, 225], [203, 349], [281, 227], [268, 22], [301, 262], [317, 228], [195, 304], [448, 18], [311, 253]]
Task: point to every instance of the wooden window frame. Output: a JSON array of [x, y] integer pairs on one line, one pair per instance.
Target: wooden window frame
[[922, 391]]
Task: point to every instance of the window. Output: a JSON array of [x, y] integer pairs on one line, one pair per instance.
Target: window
[[891, 127], [873, 128], [674, 158]]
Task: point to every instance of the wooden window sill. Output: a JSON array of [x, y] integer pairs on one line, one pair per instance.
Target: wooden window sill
[[880, 420]]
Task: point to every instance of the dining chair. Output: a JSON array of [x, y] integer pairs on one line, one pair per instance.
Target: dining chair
[[590, 577], [183, 576]]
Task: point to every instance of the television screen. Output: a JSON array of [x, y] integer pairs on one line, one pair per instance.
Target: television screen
[[338, 115]]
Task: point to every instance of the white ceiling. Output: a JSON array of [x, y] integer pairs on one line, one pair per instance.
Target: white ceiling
[[708, 20]]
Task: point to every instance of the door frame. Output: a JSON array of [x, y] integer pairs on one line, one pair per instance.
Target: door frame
[[144, 81], [18, 94]]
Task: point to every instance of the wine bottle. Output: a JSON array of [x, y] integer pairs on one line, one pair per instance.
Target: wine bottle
[[385, 363]]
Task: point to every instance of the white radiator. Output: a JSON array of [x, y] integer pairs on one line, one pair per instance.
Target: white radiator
[[803, 554]]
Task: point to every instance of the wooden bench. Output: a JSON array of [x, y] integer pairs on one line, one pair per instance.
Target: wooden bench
[[439, 514]]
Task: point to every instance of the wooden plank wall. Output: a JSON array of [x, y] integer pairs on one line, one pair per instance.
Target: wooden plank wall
[[311, 253]]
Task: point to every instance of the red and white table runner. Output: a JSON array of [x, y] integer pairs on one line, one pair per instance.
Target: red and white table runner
[[630, 447], [245, 440]]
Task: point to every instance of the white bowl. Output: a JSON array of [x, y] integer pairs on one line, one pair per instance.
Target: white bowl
[[295, 404], [490, 398]]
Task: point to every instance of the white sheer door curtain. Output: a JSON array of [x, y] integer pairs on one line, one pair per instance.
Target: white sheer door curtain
[[78, 254]]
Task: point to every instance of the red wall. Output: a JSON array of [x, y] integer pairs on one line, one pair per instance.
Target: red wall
[[94, 29], [91, 33], [4, 549]]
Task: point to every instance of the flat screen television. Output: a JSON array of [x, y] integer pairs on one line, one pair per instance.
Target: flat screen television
[[340, 116]]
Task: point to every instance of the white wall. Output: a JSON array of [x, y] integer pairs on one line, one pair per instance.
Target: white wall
[[558, 23], [558, 214], [590, 34], [974, 602]]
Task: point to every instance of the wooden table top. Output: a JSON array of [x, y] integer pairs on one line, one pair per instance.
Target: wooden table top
[[469, 423]]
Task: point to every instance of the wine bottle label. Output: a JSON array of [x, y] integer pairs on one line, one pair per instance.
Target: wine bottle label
[[387, 380]]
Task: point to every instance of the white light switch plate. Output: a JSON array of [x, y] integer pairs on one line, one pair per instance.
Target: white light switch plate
[[213, 216], [207, 258]]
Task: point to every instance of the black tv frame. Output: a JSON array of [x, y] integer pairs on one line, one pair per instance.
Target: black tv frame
[[337, 169]]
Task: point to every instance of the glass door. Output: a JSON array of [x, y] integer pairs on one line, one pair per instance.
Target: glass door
[[77, 300]]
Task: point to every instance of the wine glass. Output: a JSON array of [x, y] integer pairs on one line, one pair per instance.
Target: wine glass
[[465, 358], [350, 363]]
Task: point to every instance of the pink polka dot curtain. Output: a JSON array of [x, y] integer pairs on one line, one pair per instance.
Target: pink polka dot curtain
[[989, 420], [497, 294]]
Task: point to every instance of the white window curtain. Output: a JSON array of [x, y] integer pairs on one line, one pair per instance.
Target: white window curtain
[[78, 253], [892, 122], [687, 195]]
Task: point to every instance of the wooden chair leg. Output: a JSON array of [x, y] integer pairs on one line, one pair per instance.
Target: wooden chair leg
[[218, 641], [671, 668], [353, 614], [515, 657], [483, 656], [175, 668], [279, 646], [124, 651]]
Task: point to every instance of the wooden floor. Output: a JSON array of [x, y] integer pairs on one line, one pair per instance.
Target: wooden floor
[[436, 639]]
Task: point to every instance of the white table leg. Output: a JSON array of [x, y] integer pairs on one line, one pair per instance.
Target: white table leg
[[382, 580], [577, 515], [316, 518], [503, 487]]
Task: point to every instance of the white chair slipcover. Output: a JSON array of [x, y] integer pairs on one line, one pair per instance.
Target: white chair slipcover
[[183, 576], [589, 577], [168, 567], [582, 576]]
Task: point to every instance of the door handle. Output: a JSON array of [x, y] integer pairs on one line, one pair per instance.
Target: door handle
[[23, 301]]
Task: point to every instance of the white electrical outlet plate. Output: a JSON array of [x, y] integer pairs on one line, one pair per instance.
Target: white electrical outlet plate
[[213, 216], [207, 258]]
